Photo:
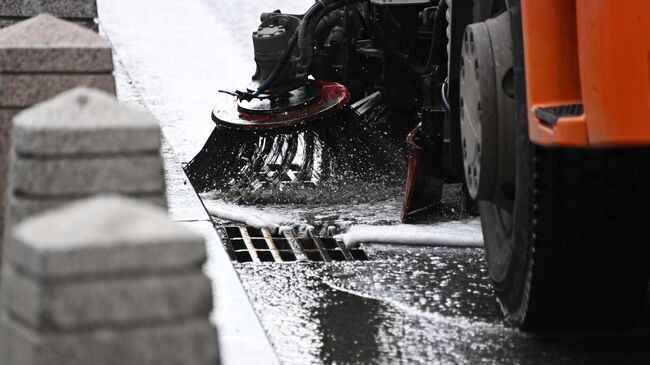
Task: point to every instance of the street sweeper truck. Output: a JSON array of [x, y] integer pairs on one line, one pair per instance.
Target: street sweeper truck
[[541, 108]]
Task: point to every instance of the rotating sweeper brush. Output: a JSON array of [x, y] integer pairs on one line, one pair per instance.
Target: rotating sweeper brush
[[261, 145], [289, 129]]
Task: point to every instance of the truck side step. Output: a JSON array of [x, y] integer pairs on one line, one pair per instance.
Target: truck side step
[[551, 114]]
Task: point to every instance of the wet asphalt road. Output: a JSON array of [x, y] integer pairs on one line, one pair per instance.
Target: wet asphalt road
[[405, 305]]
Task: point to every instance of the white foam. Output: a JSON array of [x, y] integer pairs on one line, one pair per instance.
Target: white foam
[[448, 234], [250, 217]]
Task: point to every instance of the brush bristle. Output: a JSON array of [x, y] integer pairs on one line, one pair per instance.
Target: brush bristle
[[342, 147]]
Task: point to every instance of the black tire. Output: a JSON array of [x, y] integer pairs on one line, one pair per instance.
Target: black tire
[[575, 252], [578, 253]]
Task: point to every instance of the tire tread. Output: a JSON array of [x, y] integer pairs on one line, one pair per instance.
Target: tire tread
[[590, 238]]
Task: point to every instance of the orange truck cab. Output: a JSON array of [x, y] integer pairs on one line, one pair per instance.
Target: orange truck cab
[[593, 55]]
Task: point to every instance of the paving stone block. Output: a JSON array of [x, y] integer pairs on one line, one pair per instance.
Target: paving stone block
[[125, 301], [24, 90], [71, 176], [84, 121], [60, 8], [22, 207], [48, 44], [188, 343], [102, 237]]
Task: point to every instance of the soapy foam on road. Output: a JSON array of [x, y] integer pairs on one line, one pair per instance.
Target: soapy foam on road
[[450, 234]]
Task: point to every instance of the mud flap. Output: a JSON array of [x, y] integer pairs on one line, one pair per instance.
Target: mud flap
[[424, 183]]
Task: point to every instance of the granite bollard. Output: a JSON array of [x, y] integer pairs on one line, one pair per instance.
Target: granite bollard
[[80, 143], [106, 280], [81, 12], [66, 176], [40, 58], [43, 46]]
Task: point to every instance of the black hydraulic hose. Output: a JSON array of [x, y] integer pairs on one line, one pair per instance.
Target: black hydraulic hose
[[315, 10], [304, 43], [284, 57], [301, 37], [438, 36], [266, 84], [328, 23]]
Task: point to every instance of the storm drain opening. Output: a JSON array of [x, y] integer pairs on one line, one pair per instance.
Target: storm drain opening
[[248, 244]]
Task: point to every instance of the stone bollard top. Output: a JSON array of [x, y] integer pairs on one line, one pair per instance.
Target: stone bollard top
[[61, 8], [106, 236], [48, 44], [84, 121]]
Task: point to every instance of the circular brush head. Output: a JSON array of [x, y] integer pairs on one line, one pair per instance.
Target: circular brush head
[[297, 144], [303, 105]]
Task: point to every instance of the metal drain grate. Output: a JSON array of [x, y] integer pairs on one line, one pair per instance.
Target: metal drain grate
[[247, 244]]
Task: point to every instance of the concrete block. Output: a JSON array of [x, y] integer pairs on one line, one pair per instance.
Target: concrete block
[[188, 343], [125, 301], [48, 44], [22, 207], [24, 90], [71, 176], [103, 237], [60, 8], [84, 121]]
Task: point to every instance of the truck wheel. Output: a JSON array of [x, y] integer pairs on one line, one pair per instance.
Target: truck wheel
[[573, 248], [576, 251]]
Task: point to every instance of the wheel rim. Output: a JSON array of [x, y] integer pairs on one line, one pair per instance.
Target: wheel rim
[[488, 118], [487, 111]]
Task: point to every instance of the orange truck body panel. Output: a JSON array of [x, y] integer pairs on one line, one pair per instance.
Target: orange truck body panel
[[590, 52]]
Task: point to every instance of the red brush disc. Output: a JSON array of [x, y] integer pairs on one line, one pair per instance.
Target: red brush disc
[[232, 115]]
